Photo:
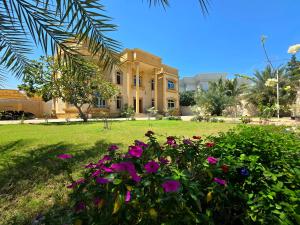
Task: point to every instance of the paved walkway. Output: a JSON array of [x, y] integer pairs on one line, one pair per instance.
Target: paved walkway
[[282, 121]]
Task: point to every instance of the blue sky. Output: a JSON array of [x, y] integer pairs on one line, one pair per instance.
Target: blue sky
[[227, 40]]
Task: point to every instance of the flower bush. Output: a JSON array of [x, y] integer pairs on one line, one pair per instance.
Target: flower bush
[[191, 181]]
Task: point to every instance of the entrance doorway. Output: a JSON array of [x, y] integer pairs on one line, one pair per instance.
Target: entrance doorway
[[140, 105]]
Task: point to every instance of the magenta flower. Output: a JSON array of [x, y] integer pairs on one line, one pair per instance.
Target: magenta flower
[[220, 181], [77, 182], [126, 167], [135, 151], [171, 186], [104, 159], [187, 142], [91, 166], [140, 144], [97, 201], [65, 156], [80, 206], [101, 180], [210, 144], [107, 170], [96, 173], [151, 167], [212, 160], [113, 148], [128, 196], [171, 141], [164, 161]]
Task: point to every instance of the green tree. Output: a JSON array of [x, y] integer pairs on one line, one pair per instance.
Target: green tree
[[187, 98], [262, 95], [56, 25], [80, 87], [215, 99]]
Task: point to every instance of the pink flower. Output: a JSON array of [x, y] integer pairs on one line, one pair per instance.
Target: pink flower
[[171, 186], [101, 180], [135, 151], [212, 160], [77, 182], [107, 170], [220, 181], [113, 148], [163, 161], [128, 196], [151, 167], [65, 156], [210, 144], [140, 144]]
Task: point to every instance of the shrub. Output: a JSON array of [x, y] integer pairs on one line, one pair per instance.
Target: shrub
[[16, 115], [245, 119], [173, 118], [246, 176], [159, 117], [197, 118], [128, 112], [269, 158]]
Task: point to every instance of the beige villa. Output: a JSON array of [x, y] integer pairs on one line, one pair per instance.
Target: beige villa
[[157, 87]]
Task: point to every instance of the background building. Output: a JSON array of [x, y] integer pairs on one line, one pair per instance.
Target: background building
[[199, 81]]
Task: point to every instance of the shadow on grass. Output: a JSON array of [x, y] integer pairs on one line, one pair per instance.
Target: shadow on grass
[[13, 145], [39, 168]]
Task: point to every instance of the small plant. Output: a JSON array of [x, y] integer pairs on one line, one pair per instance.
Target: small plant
[[245, 119], [152, 112], [159, 117], [214, 120], [173, 118], [128, 112], [197, 118]]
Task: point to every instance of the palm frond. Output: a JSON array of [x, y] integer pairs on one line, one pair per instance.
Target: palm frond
[[13, 45]]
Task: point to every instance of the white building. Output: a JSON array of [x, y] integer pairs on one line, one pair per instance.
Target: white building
[[199, 81]]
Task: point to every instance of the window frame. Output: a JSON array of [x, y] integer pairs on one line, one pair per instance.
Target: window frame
[[173, 102]]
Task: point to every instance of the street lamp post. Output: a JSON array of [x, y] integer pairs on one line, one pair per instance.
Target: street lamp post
[[277, 87]]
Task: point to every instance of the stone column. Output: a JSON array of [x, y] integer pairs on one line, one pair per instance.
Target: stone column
[[165, 108], [137, 88], [129, 75], [155, 89]]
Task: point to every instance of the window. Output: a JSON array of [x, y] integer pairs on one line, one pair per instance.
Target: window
[[119, 77], [171, 85], [153, 103], [152, 84], [119, 102], [140, 80], [171, 104], [99, 102]]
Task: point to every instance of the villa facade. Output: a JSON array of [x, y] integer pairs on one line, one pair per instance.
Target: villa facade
[[157, 87]]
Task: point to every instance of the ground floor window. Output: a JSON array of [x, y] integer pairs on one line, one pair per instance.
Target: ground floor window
[[99, 102], [152, 102], [119, 102], [171, 104]]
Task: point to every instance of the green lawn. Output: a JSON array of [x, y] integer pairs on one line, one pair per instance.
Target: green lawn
[[33, 180]]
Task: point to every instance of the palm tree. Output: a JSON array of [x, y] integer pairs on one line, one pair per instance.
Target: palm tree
[[235, 91], [56, 26]]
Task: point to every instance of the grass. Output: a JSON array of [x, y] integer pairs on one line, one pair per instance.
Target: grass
[[33, 180]]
